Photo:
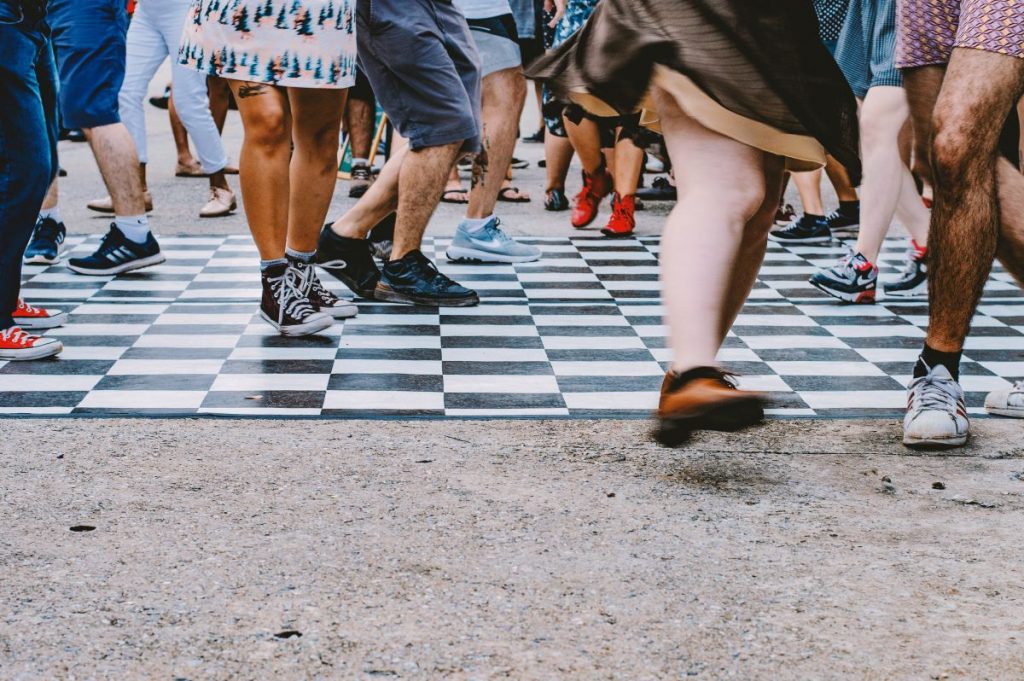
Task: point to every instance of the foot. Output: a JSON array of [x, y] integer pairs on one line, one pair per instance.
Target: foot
[[188, 168], [705, 398], [221, 202], [286, 305], [489, 244], [913, 280], [28, 317], [47, 244], [1009, 402], [622, 221], [17, 345], [163, 101], [844, 222], [806, 230], [555, 200], [321, 298], [106, 204], [360, 180], [117, 253], [660, 190], [586, 203], [414, 279], [853, 280], [349, 261], [936, 415]]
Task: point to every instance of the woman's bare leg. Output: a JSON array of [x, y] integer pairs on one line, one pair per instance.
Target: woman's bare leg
[[558, 152], [809, 186]]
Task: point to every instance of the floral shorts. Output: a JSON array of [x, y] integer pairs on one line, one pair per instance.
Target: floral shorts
[[928, 30]]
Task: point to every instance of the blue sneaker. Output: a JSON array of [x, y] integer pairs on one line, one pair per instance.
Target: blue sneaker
[[47, 244], [489, 244], [117, 253]]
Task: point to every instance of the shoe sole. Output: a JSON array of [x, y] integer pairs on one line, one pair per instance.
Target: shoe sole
[[617, 235], [935, 443], [1009, 412], [727, 417], [389, 295], [860, 298], [340, 313], [811, 240], [458, 254], [916, 292], [33, 324], [43, 260], [48, 350], [122, 268], [231, 209], [850, 230], [350, 283], [308, 329]]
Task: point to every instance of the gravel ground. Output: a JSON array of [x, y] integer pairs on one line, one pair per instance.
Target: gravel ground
[[526, 549]]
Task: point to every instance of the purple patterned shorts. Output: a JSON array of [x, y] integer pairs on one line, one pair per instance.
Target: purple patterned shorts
[[928, 30]]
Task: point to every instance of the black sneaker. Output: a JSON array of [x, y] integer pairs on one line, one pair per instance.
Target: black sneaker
[[359, 181], [844, 222], [660, 190], [536, 138], [414, 279], [806, 230], [556, 201], [913, 280], [117, 253], [518, 164], [853, 279], [286, 305], [349, 261], [47, 244]]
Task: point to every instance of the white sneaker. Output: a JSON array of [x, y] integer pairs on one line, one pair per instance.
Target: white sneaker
[[1008, 402], [936, 414]]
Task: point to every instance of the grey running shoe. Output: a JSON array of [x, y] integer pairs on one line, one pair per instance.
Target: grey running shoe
[[913, 280], [490, 244], [1009, 402], [853, 279], [936, 414]]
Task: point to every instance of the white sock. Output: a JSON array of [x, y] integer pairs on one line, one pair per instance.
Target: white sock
[[135, 227], [360, 162], [51, 213], [474, 225]]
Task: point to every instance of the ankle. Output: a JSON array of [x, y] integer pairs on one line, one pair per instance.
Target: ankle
[[930, 358]]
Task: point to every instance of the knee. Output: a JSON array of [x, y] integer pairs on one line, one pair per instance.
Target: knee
[[319, 141], [268, 130], [951, 151], [736, 203]]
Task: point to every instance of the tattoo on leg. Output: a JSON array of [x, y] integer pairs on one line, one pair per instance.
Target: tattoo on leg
[[247, 90]]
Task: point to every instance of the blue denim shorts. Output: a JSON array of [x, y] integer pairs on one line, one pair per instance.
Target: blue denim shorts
[[89, 45]]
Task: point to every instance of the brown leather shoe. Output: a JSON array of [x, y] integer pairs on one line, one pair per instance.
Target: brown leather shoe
[[704, 398]]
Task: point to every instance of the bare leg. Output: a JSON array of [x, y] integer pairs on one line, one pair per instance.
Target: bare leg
[[420, 183], [316, 126], [52, 195], [185, 157], [379, 201], [114, 149], [586, 140], [1011, 212], [922, 86], [722, 183], [558, 151], [979, 91], [503, 95], [629, 159], [359, 115], [220, 98], [264, 163], [840, 179], [809, 186], [882, 116]]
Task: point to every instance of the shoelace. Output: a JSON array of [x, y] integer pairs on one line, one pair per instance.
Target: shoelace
[[493, 231], [291, 290], [28, 309], [314, 286], [49, 230], [930, 393], [16, 335], [910, 263]]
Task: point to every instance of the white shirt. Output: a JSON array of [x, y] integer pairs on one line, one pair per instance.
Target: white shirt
[[483, 9]]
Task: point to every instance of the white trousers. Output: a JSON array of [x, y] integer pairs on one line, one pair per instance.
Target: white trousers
[[153, 35]]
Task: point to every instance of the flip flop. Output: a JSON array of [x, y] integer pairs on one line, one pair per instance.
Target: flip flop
[[449, 192], [503, 195]]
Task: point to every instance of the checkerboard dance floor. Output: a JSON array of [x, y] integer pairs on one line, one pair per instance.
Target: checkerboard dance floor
[[578, 334]]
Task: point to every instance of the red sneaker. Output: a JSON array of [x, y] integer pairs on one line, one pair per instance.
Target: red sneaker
[[585, 205], [28, 317], [15, 344], [622, 222]]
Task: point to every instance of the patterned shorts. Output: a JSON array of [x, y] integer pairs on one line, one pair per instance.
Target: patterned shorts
[[928, 30]]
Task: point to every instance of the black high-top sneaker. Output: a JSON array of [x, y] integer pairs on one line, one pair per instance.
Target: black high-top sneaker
[[348, 260], [286, 305]]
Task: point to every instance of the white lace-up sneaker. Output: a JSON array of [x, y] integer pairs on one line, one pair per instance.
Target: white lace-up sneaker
[[936, 414], [1008, 402]]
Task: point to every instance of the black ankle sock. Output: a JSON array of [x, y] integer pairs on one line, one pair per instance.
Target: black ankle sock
[[816, 218], [849, 207], [931, 357]]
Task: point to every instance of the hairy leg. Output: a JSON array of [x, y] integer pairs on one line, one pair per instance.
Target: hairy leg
[[263, 163], [979, 91], [809, 186], [316, 127], [114, 149], [882, 116], [503, 95], [721, 189], [420, 183], [922, 86], [359, 115], [1011, 212]]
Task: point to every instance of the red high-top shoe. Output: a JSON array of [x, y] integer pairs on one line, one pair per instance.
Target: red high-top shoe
[[585, 205], [622, 222]]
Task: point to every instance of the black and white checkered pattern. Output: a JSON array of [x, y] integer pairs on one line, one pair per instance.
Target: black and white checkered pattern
[[577, 334]]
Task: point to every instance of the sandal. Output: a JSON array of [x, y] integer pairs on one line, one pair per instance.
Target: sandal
[[505, 195], [451, 192]]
